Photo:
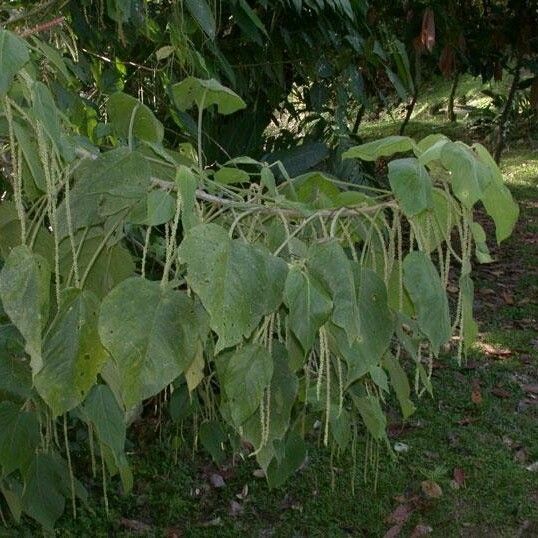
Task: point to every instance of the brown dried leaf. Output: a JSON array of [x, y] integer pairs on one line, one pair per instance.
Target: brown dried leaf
[[135, 525], [399, 515], [431, 489], [235, 509], [427, 34], [421, 530], [476, 396], [447, 61], [459, 476], [216, 480], [393, 532], [532, 389], [500, 392]]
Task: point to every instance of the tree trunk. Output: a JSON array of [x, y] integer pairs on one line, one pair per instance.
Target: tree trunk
[[450, 111], [410, 108], [507, 109], [358, 119]]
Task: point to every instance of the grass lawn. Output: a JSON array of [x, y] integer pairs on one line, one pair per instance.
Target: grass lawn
[[477, 438]]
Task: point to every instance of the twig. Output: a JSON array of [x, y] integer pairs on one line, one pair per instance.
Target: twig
[[43, 27], [260, 208]]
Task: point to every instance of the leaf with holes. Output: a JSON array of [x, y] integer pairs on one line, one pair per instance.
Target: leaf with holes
[[13, 56], [423, 284], [72, 353], [102, 412], [24, 291], [247, 374], [150, 332], [309, 306], [385, 147], [205, 93], [328, 263], [237, 283], [411, 184], [129, 116], [19, 437]]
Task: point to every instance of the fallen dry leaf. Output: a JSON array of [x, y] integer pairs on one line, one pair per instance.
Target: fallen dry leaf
[[135, 525], [235, 509], [421, 530], [500, 392], [507, 297], [488, 349], [393, 532], [521, 455], [533, 389], [476, 396], [486, 291], [431, 489], [216, 480], [399, 515], [459, 476]]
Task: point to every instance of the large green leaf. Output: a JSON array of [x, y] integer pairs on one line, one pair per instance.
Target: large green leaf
[[423, 284], [284, 387], [46, 485], [291, 455], [411, 185], [435, 224], [202, 14], [115, 181], [372, 415], [113, 263], [19, 437], [309, 306], [186, 185], [151, 334], [497, 198], [102, 412], [13, 56], [31, 155], [212, 437], [328, 263], [247, 374], [15, 372], [376, 328], [157, 208], [24, 291], [469, 325], [72, 352], [128, 114], [237, 283], [385, 147], [205, 93], [45, 111], [429, 148], [228, 175], [400, 384], [469, 176]]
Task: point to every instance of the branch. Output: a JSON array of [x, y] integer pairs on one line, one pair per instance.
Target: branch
[[43, 27], [350, 211], [27, 14], [268, 209]]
